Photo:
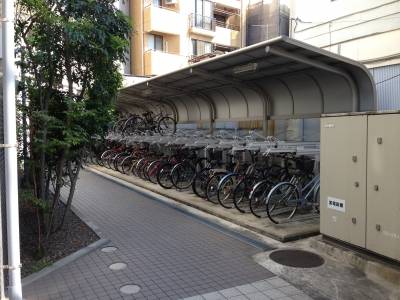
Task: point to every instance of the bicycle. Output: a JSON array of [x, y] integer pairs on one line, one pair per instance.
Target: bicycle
[[160, 123], [285, 198]]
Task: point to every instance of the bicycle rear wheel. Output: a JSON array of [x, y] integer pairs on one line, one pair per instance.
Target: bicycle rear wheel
[[212, 187], [199, 183], [282, 202], [164, 176], [241, 196], [258, 198], [126, 165], [152, 170], [226, 188]]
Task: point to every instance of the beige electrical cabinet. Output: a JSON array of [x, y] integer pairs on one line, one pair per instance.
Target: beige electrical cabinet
[[360, 181]]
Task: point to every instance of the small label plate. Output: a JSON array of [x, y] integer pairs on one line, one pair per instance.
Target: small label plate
[[336, 204]]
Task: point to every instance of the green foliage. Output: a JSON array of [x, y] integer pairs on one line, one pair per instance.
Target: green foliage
[[70, 53], [27, 197], [71, 50]]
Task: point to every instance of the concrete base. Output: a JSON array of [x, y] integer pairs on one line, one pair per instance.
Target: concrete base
[[376, 268], [283, 232], [344, 275]]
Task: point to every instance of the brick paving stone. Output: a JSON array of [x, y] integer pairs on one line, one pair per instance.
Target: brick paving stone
[[169, 253], [289, 290], [274, 293], [257, 296]]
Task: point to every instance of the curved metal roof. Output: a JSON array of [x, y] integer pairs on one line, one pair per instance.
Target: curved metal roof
[[278, 78]]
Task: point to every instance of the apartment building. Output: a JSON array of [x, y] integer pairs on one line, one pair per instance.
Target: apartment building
[[364, 30], [171, 34]]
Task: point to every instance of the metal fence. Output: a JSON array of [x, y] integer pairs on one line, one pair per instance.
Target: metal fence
[[387, 79]]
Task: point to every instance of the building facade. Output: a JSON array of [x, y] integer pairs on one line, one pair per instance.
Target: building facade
[[364, 30], [171, 34]]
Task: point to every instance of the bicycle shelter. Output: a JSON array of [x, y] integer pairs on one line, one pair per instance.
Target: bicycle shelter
[[256, 86]]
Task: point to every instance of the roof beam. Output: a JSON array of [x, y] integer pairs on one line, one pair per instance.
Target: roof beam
[[214, 76]]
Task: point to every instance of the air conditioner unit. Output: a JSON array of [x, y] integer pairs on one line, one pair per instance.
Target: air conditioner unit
[[168, 2]]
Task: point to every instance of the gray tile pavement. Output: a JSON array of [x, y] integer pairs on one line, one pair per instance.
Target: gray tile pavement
[[273, 288], [169, 254]]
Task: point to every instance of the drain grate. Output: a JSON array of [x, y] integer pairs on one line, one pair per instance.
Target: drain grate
[[296, 258]]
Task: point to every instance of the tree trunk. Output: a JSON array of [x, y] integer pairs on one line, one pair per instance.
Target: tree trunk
[[74, 178], [57, 192]]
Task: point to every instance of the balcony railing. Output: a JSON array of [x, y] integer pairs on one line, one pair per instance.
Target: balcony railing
[[203, 22], [227, 26], [148, 3]]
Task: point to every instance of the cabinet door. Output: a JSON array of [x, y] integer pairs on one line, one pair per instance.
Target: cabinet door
[[343, 178], [383, 185]]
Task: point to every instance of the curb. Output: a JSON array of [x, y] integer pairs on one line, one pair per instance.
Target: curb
[[64, 261], [292, 236]]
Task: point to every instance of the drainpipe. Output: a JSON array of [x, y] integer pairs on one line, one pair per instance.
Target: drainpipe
[[10, 151]]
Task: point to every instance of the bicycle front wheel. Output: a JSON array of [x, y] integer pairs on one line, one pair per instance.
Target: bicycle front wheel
[[282, 202], [166, 125]]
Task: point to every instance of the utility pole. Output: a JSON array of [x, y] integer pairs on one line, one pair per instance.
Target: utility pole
[[10, 151]]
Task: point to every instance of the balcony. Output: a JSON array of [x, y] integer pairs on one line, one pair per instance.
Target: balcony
[[158, 19], [236, 4], [202, 25], [227, 35], [158, 62]]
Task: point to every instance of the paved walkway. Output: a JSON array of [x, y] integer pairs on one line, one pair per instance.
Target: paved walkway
[[168, 254]]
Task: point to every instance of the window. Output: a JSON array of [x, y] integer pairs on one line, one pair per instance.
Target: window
[[157, 3], [203, 14], [204, 8], [155, 42], [201, 47]]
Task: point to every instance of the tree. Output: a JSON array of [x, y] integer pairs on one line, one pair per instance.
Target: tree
[[70, 51]]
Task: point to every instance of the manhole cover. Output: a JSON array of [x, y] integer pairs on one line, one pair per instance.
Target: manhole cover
[[117, 266], [108, 249], [130, 289], [296, 258]]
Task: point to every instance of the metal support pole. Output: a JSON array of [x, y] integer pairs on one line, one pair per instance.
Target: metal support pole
[[10, 144]]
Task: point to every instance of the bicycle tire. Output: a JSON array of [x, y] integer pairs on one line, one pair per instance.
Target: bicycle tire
[[277, 202], [166, 125], [199, 183], [258, 198], [138, 166], [126, 164], [182, 175], [212, 187], [226, 186], [164, 176], [241, 196], [152, 170]]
